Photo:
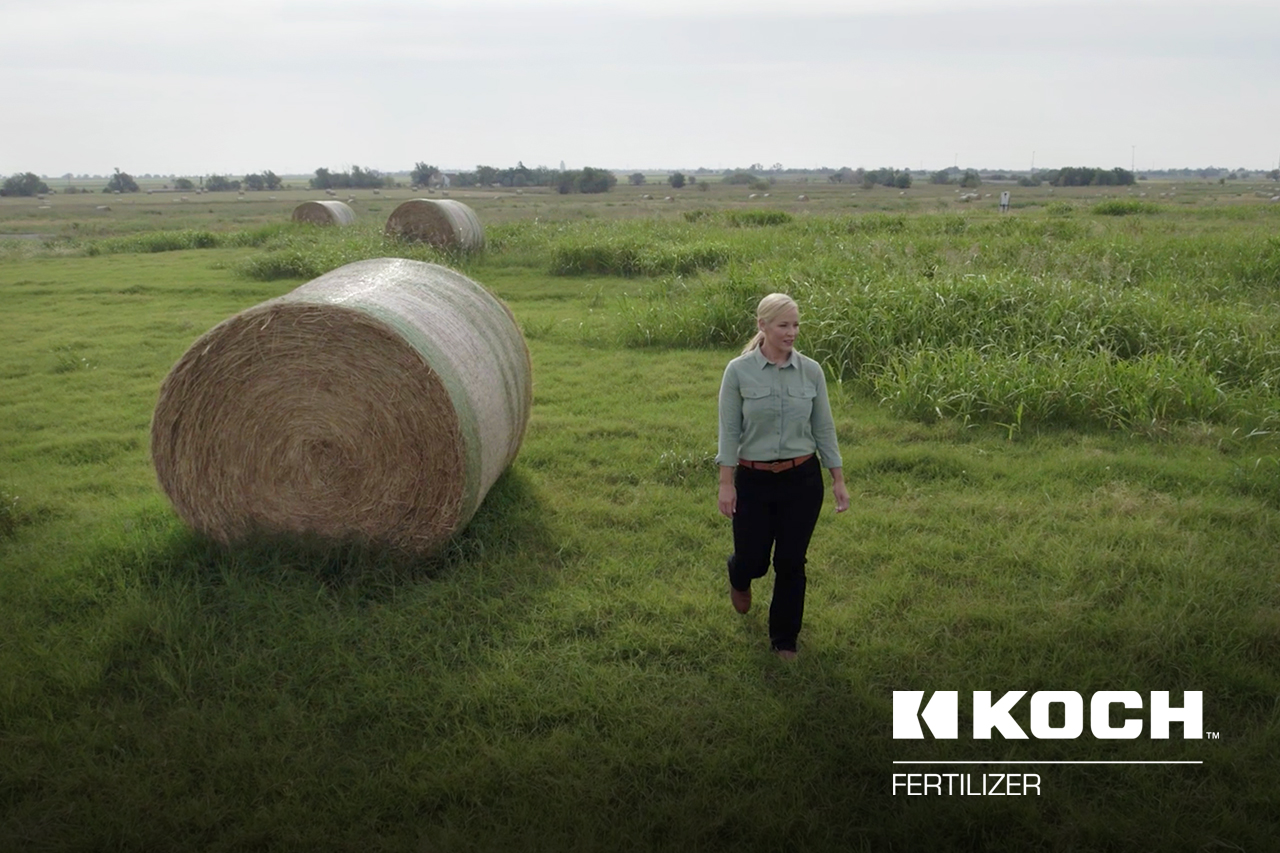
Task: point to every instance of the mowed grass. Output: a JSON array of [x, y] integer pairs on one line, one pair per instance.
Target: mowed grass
[[568, 674]]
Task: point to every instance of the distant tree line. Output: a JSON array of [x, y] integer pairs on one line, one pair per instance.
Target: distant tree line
[[357, 178], [585, 180], [518, 175], [868, 178], [29, 184], [968, 179], [1085, 176]]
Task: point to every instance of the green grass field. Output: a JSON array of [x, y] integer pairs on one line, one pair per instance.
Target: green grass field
[[1058, 431]]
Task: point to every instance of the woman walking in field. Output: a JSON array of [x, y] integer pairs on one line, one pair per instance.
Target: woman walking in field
[[774, 416]]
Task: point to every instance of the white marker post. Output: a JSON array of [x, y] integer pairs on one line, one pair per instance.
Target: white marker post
[[1004, 202]]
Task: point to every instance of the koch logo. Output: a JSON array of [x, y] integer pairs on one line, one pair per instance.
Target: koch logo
[[942, 715]]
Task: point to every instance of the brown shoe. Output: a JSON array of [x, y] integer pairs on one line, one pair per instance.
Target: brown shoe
[[741, 599]]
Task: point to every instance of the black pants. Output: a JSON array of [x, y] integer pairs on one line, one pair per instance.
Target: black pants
[[776, 512]]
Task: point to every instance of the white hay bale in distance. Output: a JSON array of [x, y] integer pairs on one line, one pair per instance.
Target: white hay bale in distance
[[327, 212], [444, 223], [376, 404]]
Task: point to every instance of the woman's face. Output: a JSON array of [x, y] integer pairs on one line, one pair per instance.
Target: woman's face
[[780, 332]]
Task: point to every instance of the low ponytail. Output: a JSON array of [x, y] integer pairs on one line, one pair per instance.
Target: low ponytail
[[754, 343]]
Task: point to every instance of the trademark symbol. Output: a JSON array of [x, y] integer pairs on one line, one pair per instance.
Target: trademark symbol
[[1211, 735]]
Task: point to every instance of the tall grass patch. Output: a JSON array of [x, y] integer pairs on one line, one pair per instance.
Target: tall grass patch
[[1123, 207], [1008, 320], [756, 218], [179, 240], [306, 252], [632, 249]]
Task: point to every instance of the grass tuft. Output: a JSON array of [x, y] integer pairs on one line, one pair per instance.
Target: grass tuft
[[1124, 207]]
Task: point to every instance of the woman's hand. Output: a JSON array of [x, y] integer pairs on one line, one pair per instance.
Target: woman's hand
[[842, 495], [728, 500], [839, 490]]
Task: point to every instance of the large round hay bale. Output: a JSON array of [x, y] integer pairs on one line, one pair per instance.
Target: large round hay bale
[[327, 212], [376, 404], [444, 223]]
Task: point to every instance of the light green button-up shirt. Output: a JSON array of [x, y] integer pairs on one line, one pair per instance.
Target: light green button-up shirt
[[775, 411]]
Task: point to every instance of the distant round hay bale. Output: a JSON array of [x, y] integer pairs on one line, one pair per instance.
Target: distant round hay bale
[[324, 213], [443, 223], [376, 404]]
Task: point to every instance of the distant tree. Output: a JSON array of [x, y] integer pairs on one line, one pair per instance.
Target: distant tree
[[486, 175], [587, 180], [254, 182], [738, 177], [1274, 174], [1029, 181], [121, 182], [1085, 176], [357, 178], [368, 179], [942, 176], [903, 180], [219, 184], [971, 179], [703, 187], [676, 180], [596, 180], [24, 184], [183, 184], [272, 180], [422, 173], [322, 181], [636, 179], [520, 176]]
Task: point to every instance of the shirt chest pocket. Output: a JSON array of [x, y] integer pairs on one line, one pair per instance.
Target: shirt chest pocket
[[797, 402], [758, 401]]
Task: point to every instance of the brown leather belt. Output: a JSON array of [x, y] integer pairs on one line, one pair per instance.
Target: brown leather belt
[[775, 467]]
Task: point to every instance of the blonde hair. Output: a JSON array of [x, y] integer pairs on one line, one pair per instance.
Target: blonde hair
[[768, 310]]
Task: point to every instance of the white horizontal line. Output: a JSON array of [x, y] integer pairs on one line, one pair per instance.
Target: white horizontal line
[[1048, 762]]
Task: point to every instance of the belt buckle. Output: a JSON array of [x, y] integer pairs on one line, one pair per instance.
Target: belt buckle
[[776, 467]]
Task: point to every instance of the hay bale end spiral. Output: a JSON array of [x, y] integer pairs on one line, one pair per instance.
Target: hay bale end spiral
[[375, 404]]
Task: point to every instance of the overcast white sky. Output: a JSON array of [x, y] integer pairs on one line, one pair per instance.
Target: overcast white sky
[[194, 87]]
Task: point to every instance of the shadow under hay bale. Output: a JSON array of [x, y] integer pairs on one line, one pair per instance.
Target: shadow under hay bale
[[377, 403], [324, 213], [443, 223]]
